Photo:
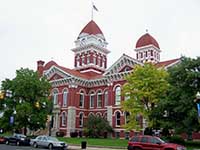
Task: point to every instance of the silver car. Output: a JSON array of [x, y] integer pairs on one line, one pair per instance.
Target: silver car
[[48, 141]]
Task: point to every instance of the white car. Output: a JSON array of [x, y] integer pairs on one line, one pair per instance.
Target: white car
[[48, 141]]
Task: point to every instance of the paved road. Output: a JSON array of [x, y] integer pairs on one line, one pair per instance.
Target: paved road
[[13, 147], [71, 147]]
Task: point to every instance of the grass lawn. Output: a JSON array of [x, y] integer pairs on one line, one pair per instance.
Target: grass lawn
[[121, 143], [97, 142]]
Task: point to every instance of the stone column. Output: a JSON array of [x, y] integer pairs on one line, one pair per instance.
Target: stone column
[[109, 115], [71, 120]]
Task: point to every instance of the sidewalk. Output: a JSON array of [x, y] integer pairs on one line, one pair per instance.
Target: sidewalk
[[77, 147]]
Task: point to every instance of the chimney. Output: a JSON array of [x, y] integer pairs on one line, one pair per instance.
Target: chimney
[[40, 67]]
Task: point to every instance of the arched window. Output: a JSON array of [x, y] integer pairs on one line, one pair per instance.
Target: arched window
[[106, 98], [81, 102], [65, 93], [117, 118], [98, 114], [55, 97], [117, 95], [99, 99], [81, 119], [64, 121], [92, 100]]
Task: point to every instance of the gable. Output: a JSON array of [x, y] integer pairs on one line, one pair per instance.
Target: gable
[[126, 68], [55, 73], [56, 77], [121, 64]]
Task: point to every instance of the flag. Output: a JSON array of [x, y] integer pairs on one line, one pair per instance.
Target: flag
[[95, 8]]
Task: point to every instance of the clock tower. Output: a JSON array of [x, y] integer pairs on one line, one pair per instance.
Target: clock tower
[[90, 51]]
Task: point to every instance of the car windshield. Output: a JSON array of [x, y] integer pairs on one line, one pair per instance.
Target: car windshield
[[20, 135], [52, 138], [161, 141]]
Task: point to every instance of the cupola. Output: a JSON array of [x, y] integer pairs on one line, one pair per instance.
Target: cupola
[[147, 49]]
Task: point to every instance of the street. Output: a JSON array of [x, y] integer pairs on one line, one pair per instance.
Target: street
[[13, 147]]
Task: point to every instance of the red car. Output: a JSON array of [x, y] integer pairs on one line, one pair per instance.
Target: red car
[[146, 142], [2, 140]]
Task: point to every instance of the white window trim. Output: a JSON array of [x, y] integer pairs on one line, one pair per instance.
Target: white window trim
[[65, 100], [82, 94], [99, 94], [92, 95]]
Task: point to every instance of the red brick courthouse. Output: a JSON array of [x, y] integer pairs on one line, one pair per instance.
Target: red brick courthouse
[[92, 87]]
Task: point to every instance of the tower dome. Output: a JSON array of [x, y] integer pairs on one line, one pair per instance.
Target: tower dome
[[145, 40], [91, 29]]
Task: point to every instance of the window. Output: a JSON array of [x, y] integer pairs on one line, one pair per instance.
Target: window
[[98, 61], [81, 120], [99, 99], [55, 97], [83, 61], [117, 95], [135, 139], [144, 140], [88, 59], [117, 118], [92, 99], [106, 98], [65, 98], [154, 141], [151, 52], [94, 60], [81, 102], [78, 61], [64, 121]]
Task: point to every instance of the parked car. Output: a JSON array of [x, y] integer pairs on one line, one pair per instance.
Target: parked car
[[2, 140], [17, 139], [48, 142], [146, 142]]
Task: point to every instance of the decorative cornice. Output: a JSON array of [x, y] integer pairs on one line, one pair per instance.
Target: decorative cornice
[[123, 61], [89, 46]]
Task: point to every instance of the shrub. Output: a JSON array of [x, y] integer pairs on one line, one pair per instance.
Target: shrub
[[176, 139], [74, 134], [195, 144], [60, 134]]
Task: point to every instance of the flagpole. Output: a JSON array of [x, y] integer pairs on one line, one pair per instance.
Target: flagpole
[[92, 11]]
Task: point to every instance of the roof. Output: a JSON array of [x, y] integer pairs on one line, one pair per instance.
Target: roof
[[71, 71], [91, 28], [145, 40], [167, 63]]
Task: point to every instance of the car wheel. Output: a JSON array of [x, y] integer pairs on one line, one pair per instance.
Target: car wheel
[[50, 146], [18, 143], [7, 142], [35, 145]]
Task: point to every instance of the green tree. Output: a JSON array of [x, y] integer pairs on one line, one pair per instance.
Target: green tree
[[25, 91], [97, 127], [179, 106], [143, 90]]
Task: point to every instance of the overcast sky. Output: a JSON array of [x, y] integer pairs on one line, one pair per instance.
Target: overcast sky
[[32, 30]]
